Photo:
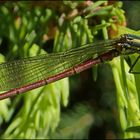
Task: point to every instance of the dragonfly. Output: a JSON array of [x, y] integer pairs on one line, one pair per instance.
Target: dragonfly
[[26, 74]]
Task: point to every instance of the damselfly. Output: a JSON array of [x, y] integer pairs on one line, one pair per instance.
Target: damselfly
[[26, 74]]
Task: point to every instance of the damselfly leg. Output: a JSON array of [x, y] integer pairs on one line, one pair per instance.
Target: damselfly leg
[[132, 45], [134, 68]]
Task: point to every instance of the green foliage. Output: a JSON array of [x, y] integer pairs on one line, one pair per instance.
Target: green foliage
[[127, 92], [70, 121], [26, 27], [39, 111]]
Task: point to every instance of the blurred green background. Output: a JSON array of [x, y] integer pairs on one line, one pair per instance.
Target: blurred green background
[[132, 16], [83, 106]]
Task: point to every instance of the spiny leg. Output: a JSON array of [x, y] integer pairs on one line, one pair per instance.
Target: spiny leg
[[131, 68]]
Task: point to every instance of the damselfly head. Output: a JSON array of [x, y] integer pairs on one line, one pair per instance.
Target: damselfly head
[[128, 44], [133, 41], [132, 45]]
